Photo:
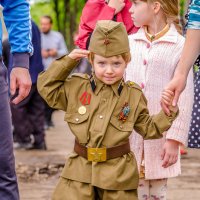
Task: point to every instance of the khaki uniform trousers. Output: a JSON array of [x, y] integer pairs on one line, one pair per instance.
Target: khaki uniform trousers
[[74, 190]]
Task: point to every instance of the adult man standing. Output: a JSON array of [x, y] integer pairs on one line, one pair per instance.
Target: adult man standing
[[53, 46], [28, 115], [17, 20]]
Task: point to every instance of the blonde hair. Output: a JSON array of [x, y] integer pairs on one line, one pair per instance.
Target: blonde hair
[[126, 56], [171, 11]]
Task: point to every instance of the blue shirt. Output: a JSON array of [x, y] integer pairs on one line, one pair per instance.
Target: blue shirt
[[17, 20], [194, 15], [36, 65]]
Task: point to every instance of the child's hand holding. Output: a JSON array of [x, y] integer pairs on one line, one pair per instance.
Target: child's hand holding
[[166, 102], [77, 54], [118, 5]]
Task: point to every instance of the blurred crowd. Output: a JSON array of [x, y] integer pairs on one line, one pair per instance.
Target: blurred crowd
[[32, 117]]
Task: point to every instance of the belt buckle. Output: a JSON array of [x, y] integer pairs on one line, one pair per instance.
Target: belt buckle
[[96, 154]]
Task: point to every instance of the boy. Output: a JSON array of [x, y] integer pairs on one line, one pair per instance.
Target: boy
[[101, 112]]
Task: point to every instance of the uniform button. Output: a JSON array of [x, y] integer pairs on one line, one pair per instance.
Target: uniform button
[[77, 119], [121, 126], [104, 100], [148, 45], [101, 117], [144, 61]]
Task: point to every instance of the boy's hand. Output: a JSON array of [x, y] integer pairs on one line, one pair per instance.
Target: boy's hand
[[118, 5], [77, 54], [166, 102], [169, 153]]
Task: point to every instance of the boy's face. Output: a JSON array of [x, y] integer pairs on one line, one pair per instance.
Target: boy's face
[[141, 13], [109, 70]]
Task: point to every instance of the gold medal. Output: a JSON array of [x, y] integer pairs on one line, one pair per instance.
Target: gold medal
[[82, 110]]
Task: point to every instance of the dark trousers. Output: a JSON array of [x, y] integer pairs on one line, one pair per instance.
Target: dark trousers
[[48, 113], [8, 180], [28, 118]]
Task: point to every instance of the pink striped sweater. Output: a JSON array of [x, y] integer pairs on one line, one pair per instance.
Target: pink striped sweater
[[152, 67]]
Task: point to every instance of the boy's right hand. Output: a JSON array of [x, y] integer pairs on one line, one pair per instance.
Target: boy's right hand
[[118, 5], [77, 54], [167, 98]]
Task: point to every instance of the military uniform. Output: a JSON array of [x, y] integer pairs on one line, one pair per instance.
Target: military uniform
[[100, 116]]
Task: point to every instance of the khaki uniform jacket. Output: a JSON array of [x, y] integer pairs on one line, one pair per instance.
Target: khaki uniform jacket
[[100, 126]]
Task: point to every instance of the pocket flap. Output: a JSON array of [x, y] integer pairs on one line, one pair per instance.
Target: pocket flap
[[120, 125], [76, 118]]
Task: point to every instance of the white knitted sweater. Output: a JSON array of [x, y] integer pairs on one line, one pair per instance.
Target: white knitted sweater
[[152, 66]]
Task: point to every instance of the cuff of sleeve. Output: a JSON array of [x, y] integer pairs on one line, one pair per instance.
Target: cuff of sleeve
[[167, 119], [178, 136], [179, 132], [71, 63], [172, 116], [21, 60]]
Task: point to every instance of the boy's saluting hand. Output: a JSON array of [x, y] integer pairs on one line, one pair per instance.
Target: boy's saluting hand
[[118, 5], [77, 54]]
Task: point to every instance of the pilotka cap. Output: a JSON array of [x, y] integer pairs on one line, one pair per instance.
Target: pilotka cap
[[109, 38]]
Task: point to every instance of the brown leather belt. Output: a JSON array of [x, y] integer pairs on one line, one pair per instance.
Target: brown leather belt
[[101, 154]]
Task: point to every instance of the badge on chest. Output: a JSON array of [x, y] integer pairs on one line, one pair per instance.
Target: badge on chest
[[85, 100]]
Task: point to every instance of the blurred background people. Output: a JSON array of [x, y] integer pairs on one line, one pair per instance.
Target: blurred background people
[[53, 46]]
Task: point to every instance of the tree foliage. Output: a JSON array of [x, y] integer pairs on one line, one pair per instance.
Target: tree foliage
[[65, 14]]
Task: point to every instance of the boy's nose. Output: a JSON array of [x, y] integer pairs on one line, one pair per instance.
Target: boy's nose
[[109, 69]]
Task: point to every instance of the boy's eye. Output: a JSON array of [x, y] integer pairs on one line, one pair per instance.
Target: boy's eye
[[117, 63], [101, 63]]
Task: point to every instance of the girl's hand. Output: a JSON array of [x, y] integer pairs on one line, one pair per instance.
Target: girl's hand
[[118, 5], [166, 102], [169, 153], [77, 54]]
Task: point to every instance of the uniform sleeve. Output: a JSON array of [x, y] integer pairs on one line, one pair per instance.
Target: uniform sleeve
[[151, 127], [92, 12], [17, 19], [54, 84]]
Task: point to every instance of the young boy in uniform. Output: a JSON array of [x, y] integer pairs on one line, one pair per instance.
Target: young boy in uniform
[[101, 111]]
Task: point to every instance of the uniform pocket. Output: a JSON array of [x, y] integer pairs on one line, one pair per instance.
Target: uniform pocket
[[120, 125], [78, 125]]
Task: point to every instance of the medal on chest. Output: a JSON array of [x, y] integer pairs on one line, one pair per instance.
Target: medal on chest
[[123, 115], [85, 100]]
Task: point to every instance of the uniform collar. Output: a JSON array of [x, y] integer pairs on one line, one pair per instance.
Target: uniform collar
[[170, 36], [97, 85]]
